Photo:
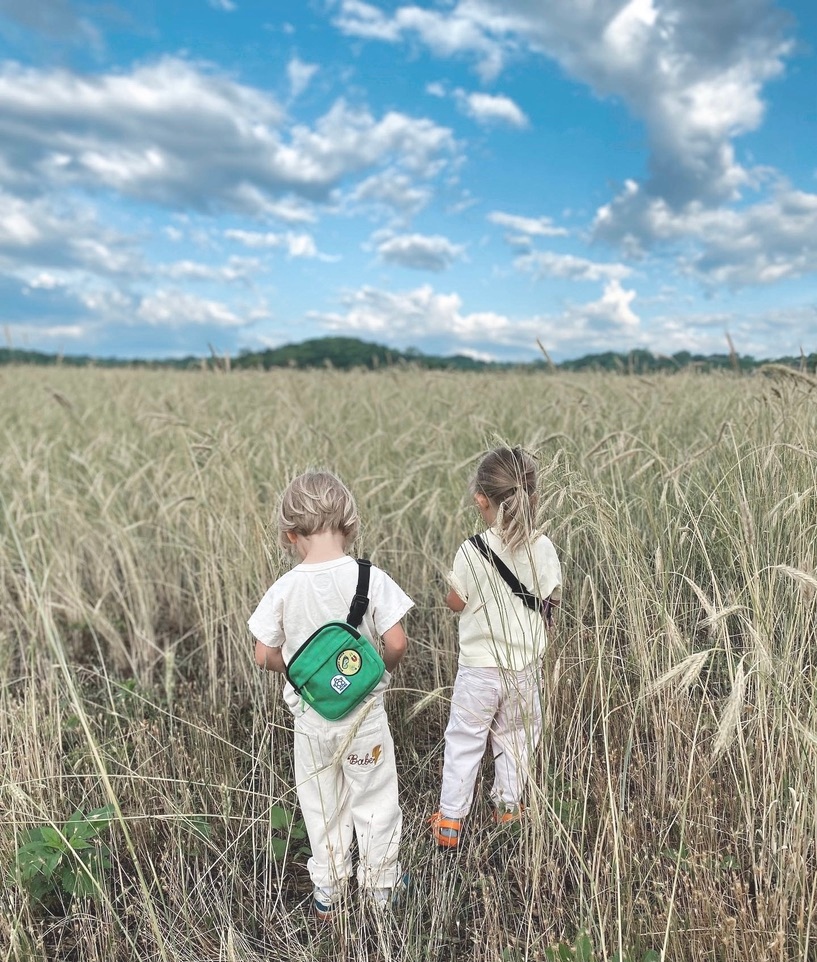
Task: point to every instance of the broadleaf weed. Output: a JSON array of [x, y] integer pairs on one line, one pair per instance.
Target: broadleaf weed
[[54, 865]]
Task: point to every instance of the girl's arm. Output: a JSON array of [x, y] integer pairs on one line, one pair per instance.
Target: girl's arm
[[454, 602], [268, 658], [394, 646]]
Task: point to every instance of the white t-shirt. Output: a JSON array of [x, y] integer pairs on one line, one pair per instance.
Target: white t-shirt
[[497, 629], [309, 595]]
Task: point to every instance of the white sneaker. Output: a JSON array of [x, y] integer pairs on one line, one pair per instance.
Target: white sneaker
[[390, 897]]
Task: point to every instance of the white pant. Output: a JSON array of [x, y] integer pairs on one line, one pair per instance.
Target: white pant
[[504, 705], [346, 779]]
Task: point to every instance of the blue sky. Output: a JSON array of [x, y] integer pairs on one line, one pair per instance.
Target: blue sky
[[465, 176]]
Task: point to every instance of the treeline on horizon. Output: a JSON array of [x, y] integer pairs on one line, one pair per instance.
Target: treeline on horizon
[[346, 353]]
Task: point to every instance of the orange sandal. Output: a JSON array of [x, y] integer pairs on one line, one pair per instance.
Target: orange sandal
[[508, 815], [446, 831]]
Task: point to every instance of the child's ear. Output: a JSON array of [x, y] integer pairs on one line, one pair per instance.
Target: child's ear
[[481, 501], [292, 538]]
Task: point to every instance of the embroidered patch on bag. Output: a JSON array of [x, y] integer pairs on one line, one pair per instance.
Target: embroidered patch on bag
[[348, 662], [339, 683]]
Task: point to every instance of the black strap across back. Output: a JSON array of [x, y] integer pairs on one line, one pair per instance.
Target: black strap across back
[[543, 606], [360, 602]]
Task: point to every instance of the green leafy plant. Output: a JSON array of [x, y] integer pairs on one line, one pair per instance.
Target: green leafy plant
[[289, 833], [55, 865]]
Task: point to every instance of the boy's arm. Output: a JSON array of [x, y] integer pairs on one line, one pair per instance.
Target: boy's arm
[[271, 659], [394, 646]]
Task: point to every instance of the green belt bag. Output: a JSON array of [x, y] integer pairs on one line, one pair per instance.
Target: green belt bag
[[337, 667]]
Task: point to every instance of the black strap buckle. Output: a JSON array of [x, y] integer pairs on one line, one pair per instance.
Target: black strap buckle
[[360, 602]]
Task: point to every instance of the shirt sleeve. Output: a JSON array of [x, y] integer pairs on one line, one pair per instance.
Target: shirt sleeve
[[267, 621], [550, 573], [388, 601], [461, 576]]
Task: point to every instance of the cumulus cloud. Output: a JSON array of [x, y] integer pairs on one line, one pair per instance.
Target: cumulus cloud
[[411, 314], [176, 134], [547, 264], [172, 308], [34, 234], [296, 245], [237, 269], [489, 109], [59, 333], [760, 243], [611, 310], [420, 252], [445, 33], [692, 70], [389, 191], [527, 226], [405, 316], [300, 75]]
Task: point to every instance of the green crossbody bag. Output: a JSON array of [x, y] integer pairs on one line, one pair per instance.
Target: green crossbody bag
[[337, 667]]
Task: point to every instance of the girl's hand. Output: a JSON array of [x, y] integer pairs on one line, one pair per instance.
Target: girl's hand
[[454, 602]]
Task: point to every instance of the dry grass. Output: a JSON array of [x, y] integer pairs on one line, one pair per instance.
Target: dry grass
[[675, 804]]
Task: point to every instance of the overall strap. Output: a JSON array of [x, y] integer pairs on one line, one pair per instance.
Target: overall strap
[[516, 586], [360, 602]]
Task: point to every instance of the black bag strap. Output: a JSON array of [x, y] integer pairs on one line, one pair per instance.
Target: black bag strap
[[516, 586], [360, 602]]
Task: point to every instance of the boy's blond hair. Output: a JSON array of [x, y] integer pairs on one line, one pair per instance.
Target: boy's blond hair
[[317, 501]]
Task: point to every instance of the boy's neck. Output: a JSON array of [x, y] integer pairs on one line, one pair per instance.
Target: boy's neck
[[321, 546]]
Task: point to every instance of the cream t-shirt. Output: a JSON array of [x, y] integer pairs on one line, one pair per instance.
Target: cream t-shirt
[[497, 629], [309, 595]]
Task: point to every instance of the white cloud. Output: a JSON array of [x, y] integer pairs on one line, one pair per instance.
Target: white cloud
[[601, 325], [491, 109], [529, 226], [612, 309], [446, 34], [290, 210], [392, 190], [296, 245], [420, 252], [760, 243], [692, 70], [171, 308], [237, 269], [24, 334], [176, 134], [45, 281], [35, 234], [226, 5], [300, 75], [108, 303], [406, 316], [412, 314], [547, 264]]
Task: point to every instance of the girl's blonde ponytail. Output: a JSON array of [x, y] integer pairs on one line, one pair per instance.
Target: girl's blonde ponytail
[[507, 478]]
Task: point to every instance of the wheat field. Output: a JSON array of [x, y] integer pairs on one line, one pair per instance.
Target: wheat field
[[673, 810]]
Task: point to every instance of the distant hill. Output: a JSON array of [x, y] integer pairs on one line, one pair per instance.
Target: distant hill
[[345, 353]]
